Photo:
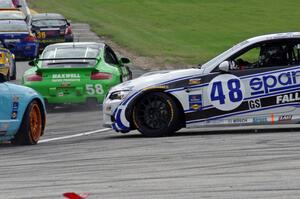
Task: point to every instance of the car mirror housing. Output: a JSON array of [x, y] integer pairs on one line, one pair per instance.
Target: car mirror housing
[[124, 60], [2, 78], [224, 66]]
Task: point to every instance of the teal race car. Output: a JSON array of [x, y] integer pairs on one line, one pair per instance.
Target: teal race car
[[76, 73]]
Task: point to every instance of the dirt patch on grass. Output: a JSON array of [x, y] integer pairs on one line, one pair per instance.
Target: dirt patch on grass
[[147, 63]]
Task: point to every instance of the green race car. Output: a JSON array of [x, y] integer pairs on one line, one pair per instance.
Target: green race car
[[79, 72]]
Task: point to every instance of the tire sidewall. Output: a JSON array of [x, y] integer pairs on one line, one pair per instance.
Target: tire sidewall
[[173, 120]]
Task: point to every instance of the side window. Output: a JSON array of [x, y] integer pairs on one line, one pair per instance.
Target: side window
[[294, 54], [274, 55], [110, 57], [249, 59], [266, 55]]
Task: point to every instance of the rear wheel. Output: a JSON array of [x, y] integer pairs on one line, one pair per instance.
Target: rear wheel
[[156, 114], [32, 126]]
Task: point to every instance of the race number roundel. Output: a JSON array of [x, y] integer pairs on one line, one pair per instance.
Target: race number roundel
[[226, 92]]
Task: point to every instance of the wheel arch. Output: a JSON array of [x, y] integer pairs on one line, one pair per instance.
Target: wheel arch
[[129, 108]]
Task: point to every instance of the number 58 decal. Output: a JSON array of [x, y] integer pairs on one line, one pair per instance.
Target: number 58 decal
[[226, 92], [92, 89]]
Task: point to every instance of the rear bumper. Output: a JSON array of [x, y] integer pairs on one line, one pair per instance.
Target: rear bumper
[[24, 50]]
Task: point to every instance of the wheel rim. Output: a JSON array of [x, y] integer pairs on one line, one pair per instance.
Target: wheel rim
[[35, 122], [153, 112]]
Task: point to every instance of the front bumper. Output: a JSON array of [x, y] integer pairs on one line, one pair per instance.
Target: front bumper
[[114, 115]]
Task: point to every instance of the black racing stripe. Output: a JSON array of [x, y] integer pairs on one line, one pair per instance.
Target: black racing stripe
[[265, 102], [214, 112]]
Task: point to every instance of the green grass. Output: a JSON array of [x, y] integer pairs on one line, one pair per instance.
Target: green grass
[[191, 31]]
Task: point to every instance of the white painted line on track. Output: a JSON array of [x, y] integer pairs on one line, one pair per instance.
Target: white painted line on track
[[73, 136]]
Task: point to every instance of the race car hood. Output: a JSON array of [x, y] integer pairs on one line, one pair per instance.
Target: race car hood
[[21, 90], [156, 78]]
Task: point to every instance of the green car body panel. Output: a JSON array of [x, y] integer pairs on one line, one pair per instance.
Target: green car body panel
[[66, 85]]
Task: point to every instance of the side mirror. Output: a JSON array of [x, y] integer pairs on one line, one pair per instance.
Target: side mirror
[[19, 6], [2, 78], [124, 60], [224, 66], [31, 63]]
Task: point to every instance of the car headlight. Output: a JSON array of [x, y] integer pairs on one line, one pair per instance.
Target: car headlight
[[119, 95]]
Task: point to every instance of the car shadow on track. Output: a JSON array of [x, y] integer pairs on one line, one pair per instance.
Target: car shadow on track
[[185, 133], [73, 108]]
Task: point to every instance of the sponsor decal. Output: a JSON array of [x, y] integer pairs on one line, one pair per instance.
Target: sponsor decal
[[238, 120], [260, 120], [195, 102], [15, 107], [194, 81], [226, 92], [273, 82], [66, 76], [291, 97], [164, 87], [285, 118]]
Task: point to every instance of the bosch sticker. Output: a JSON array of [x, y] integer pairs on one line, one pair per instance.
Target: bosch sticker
[[226, 92], [195, 102]]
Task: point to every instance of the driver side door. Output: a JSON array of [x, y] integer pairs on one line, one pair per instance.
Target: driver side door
[[255, 90]]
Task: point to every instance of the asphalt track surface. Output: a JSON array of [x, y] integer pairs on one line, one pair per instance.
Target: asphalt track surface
[[77, 154]]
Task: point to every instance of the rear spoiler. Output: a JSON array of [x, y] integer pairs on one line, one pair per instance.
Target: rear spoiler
[[75, 58], [33, 62]]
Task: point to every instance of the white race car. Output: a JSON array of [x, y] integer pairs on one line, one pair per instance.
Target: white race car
[[256, 82]]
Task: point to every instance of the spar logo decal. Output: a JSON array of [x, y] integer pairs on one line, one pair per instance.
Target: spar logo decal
[[226, 92], [274, 82]]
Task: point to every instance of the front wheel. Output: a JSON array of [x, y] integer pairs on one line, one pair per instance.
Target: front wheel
[[32, 126], [156, 114]]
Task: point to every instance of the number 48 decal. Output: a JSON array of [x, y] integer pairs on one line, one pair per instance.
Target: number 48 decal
[[226, 92]]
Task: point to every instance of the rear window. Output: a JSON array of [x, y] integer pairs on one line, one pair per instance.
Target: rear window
[[12, 15], [70, 57], [9, 27], [49, 22]]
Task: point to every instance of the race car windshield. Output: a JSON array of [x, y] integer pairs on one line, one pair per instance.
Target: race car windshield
[[12, 15], [18, 27], [49, 22], [69, 57]]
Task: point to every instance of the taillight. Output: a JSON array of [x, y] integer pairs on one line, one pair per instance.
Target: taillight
[[68, 30], [30, 38], [34, 78], [98, 76]]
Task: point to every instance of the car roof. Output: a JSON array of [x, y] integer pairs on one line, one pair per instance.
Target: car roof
[[42, 16], [75, 44], [274, 36]]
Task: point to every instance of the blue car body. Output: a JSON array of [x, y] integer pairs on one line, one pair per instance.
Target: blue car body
[[16, 36], [14, 99]]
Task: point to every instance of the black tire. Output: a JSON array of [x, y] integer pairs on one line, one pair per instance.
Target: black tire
[[156, 114], [14, 76], [31, 128], [8, 76]]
